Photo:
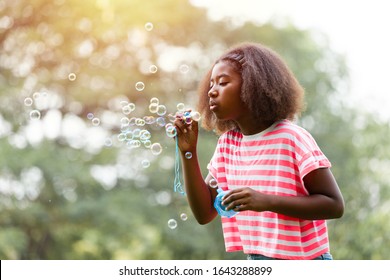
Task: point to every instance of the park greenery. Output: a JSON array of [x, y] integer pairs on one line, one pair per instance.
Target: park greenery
[[70, 189]]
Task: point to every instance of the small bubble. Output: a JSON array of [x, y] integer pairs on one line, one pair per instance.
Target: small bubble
[[153, 69], [154, 100], [90, 116], [180, 107], [145, 163], [72, 77], [28, 101], [184, 68], [171, 131], [213, 183], [140, 86], [35, 115], [183, 216], [172, 224], [156, 148], [125, 121], [161, 110], [188, 155], [108, 142], [160, 121], [149, 26], [145, 135], [95, 121], [153, 108], [195, 116]]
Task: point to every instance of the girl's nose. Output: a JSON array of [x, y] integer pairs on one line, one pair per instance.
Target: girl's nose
[[212, 93]]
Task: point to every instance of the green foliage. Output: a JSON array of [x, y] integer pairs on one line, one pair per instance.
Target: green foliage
[[65, 194]]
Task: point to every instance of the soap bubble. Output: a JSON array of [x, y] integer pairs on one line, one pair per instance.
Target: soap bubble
[[28, 101], [156, 148], [195, 116], [90, 116], [154, 100], [145, 135], [213, 183], [153, 69], [35, 115], [160, 121], [72, 77], [153, 107], [149, 26], [183, 216], [188, 155], [180, 107], [140, 86], [187, 118], [172, 224], [145, 163], [161, 110], [95, 121], [184, 68], [171, 131]]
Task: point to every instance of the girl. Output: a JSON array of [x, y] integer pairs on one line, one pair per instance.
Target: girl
[[279, 181]]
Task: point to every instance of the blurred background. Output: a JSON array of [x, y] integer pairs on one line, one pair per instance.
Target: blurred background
[[86, 165]]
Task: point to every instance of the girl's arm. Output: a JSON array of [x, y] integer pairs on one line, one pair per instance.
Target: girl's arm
[[324, 201], [200, 196]]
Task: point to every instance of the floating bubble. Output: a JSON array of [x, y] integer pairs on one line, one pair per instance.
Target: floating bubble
[[160, 121], [147, 143], [95, 121], [36, 95], [156, 148], [125, 121], [153, 69], [195, 116], [133, 144], [161, 110], [35, 115], [149, 119], [184, 68], [149, 26], [180, 107], [137, 133], [213, 183], [172, 224], [90, 116], [154, 100], [183, 216], [153, 107], [145, 135], [171, 118], [140, 86], [128, 135], [188, 155], [72, 77], [140, 122], [145, 163], [121, 137], [171, 131], [28, 101], [108, 142]]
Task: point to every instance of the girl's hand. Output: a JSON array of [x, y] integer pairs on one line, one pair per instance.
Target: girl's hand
[[187, 134], [245, 199]]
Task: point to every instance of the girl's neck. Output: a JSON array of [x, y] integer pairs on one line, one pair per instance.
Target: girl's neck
[[250, 128]]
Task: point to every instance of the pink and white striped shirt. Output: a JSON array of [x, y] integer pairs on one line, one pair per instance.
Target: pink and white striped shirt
[[273, 161]]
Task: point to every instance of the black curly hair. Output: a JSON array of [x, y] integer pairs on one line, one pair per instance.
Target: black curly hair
[[269, 89]]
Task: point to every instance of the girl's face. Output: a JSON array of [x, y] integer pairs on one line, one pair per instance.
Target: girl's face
[[224, 94]]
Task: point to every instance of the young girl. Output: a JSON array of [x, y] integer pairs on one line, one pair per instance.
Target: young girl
[[278, 179]]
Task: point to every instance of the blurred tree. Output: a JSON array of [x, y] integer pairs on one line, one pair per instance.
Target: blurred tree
[[71, 188]]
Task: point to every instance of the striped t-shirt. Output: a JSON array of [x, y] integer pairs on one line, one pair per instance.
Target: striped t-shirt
[[273, 161]]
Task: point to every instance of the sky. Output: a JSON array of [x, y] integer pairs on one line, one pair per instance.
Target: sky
[[357, 29]]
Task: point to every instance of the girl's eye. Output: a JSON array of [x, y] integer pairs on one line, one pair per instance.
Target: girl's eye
[[223, 83]]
